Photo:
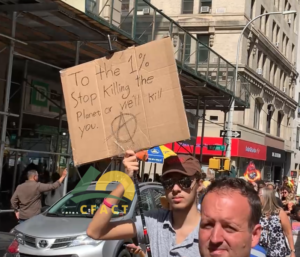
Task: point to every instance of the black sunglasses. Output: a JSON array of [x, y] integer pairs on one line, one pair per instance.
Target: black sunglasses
[[184, 183]]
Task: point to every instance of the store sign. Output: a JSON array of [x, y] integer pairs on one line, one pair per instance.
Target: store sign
[[251, 150], [43, 98], [275, 155]]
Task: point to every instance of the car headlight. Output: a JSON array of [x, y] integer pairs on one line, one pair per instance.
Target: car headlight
[[84, 240], [19, 237]]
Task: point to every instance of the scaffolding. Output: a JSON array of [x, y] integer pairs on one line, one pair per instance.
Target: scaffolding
[[70, 37]]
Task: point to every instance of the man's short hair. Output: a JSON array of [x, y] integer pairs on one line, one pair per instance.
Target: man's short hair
[[31, 173], [245, 189]]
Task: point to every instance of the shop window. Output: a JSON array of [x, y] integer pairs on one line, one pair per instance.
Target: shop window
[[257, 111], [187, 6], [269, 118], [279, 120]]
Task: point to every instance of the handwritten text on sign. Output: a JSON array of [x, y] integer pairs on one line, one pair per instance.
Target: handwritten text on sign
[[128, 101]]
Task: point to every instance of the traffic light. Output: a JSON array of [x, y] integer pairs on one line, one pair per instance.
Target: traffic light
[[219, 163]]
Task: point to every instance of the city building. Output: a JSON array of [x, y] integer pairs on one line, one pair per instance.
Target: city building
[[268, 58]]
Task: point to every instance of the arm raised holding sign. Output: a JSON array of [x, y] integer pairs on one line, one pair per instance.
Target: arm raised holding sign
[[101, 228]]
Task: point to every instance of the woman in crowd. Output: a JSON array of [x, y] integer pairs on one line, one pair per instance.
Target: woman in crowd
[[275, 227], [288, 199]]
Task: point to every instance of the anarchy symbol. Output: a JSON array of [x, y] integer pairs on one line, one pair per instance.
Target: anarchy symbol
[[124, 127]]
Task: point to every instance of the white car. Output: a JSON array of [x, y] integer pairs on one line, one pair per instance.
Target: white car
[[61, 229]]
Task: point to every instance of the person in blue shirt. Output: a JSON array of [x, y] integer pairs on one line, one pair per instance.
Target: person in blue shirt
[[258, 251]]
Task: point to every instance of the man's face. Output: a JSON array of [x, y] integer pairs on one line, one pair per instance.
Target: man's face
[[181, 190], [224, 228]]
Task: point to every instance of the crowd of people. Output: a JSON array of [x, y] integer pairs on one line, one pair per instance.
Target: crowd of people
[[228, 217]]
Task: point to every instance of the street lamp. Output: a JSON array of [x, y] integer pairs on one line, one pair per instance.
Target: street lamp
[[231, 111]]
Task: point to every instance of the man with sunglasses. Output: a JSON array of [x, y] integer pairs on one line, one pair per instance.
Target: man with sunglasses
[[171, 233]]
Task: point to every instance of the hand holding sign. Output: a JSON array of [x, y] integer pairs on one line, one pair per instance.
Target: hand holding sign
[[132, 100]]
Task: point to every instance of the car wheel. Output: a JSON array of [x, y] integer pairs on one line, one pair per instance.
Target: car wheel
[[124, 253]]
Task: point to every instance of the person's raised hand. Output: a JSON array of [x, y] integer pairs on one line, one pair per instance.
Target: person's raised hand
[[64, 173], [130, 163]]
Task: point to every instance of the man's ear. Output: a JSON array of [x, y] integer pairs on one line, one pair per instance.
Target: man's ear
[[256, 232], [200, 185]]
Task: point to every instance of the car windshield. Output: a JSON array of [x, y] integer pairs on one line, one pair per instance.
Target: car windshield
[[85, 204]]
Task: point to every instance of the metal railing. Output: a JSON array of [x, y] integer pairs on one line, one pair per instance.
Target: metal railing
[[142, 22]]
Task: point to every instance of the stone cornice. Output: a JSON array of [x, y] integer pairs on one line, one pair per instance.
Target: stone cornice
[[269, 88]]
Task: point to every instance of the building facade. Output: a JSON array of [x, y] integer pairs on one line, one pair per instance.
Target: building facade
[[268, 57]]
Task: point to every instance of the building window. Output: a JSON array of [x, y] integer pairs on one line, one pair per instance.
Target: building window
[[262, 11], [213, 118], [257, 110], [269, 118], [252, 11], [295, 23], [205, 3], [281, 83], [293, 55], [187, 6], [283, 43], [274, 29], [125, 6], [297, 138], [187, 49], [279, 120], [203, 50], [271, 73], [298, 105], [141, 5], [286, 53]]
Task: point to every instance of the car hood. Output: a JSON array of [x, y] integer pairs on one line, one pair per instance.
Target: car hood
[[53, 227]]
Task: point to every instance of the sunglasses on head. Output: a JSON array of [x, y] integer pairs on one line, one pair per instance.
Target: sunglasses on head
[[184, 183]]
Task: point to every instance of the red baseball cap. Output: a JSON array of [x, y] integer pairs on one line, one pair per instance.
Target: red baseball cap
[[183, 164]]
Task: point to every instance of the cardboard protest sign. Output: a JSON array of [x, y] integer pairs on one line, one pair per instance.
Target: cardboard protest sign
[[131, 100]]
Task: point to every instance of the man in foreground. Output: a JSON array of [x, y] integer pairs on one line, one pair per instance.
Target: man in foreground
[[230, 215], [171, 233], [26, 200]]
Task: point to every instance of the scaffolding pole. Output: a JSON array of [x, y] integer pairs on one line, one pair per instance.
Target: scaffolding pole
[[33, 151], [202, 132], [36, 60], [23, 94], [57, 158], [78, 43], [7, 93], [197, 115]]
